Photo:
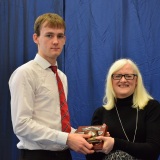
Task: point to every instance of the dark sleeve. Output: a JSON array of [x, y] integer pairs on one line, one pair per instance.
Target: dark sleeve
[[150, 149], [96, 120], [95, 156], [97, 116]]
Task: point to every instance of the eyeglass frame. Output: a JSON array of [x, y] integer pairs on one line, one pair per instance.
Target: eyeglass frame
[[124, 75]]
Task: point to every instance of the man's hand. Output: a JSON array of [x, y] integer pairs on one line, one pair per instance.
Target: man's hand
[[78, 143]]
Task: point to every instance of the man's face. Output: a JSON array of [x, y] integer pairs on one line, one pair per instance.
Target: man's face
[[50, 42], [124, 88]]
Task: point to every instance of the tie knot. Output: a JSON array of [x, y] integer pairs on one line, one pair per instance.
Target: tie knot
[[54, 68]]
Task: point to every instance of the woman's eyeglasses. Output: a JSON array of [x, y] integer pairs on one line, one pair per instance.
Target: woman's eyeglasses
[[126, 76]]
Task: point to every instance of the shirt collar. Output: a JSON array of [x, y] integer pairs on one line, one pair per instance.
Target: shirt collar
[[42, 62]]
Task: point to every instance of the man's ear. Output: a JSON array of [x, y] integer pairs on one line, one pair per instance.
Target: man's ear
[[35, 38], [64, 40]]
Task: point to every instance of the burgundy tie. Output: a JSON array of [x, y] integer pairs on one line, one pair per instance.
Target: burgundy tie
[[65, 118]]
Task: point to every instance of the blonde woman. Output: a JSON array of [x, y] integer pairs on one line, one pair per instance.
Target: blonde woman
[[132, 116]]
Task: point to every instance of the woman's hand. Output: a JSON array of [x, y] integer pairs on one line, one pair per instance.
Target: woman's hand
[[107, 134], [108, 143]]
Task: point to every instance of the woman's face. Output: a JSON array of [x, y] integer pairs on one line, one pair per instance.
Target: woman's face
[[122, 87]]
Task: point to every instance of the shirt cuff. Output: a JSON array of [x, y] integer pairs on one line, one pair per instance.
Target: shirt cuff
[[62, 138]]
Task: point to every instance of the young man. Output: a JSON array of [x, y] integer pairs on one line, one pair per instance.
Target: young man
[[35, 102]]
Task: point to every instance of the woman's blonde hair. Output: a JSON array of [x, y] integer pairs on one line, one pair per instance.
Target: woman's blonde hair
[[140, 95]]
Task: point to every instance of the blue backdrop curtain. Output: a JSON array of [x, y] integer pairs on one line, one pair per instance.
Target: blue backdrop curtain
[[98, 33]]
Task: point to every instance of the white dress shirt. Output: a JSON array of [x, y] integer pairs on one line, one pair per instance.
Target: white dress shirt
[[35, 106]]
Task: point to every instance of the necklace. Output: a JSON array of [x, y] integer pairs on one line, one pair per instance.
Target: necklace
[[123, 127]]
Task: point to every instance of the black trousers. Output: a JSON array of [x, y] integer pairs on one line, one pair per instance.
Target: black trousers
[[44, 155]]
